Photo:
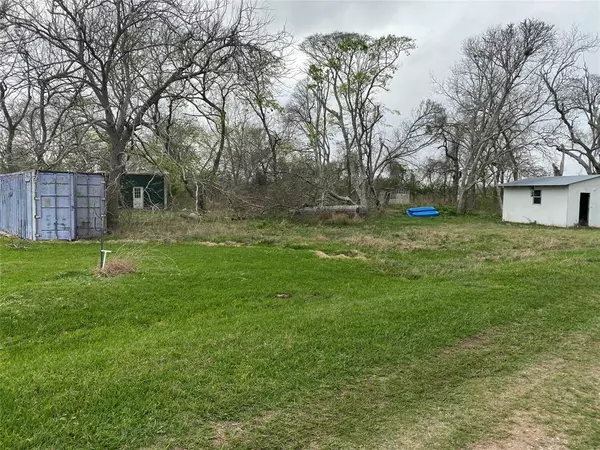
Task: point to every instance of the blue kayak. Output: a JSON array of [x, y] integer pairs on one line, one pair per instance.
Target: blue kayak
[[422, 211]]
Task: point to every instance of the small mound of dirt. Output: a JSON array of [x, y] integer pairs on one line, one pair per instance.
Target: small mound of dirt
[[116, 267]]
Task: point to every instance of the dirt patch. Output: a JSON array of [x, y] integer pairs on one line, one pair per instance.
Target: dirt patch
[[525, 435], [475, 341], [116, 267], [224, 432], [354, 254], [229, 434]]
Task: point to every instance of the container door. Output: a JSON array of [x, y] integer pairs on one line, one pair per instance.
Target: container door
[[55, 211], [16, 207], [138, 197], [89, 202]]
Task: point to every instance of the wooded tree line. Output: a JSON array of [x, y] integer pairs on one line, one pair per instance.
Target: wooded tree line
[[207, 93]]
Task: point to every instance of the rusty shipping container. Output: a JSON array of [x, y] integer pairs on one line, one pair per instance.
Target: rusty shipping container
[[40, 205]]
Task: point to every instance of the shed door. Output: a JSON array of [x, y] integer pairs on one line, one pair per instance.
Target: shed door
[[138, 197], [584, 209], [55, 211]]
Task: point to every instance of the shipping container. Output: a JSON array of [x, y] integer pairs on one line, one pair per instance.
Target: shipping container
[[40, 205]]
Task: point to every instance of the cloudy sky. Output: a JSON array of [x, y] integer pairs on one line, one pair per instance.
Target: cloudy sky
[[439, 28]]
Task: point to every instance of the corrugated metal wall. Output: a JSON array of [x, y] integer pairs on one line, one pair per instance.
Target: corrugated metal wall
[[89, 203], [54, 205], [51, 205], [16, 204]]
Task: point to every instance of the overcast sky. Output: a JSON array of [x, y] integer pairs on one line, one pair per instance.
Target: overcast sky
[[439, 28]]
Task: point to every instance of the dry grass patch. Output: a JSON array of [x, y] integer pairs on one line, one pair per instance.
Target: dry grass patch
[[488, 241], [525, 434], [507, 255], [443, 236], [225, 432], [352, 254], [544, 238], [230, 434], [497, 405], [543, 407], [383, 244], [116, 267], [221, 244], [127, 241], [340, 218]]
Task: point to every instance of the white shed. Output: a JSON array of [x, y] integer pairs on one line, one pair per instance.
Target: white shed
[[558, 201]]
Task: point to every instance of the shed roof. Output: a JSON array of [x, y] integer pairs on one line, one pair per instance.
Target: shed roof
[[551, 181]]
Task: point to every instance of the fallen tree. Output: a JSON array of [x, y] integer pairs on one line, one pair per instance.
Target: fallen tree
[[350, 210]]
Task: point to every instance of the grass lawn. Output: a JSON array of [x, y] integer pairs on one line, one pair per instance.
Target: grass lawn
[[397, 333]]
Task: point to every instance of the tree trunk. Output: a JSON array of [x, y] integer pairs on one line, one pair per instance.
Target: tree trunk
[[112, 198], [113, 188], [362, 187], [10, 163], [349, 172], [374, 196], [468, 183], [196, 192], [200, 199], [274, 156], [222, 137], [461, 207], [499, 197]]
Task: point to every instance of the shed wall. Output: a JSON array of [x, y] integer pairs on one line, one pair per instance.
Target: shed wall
[[593, 188], [519, 207], [154, 189]]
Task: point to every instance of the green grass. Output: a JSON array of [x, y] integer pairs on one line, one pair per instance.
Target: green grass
[[404, 347]]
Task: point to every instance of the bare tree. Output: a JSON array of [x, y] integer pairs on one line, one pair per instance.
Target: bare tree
[[260, 87], [38, 103], [55, 111], [385, 148], [495, 88], [449, 134], [575, 99], [15, 91], [128, 53]]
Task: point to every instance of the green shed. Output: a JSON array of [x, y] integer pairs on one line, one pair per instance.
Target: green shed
[[143, 190]]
